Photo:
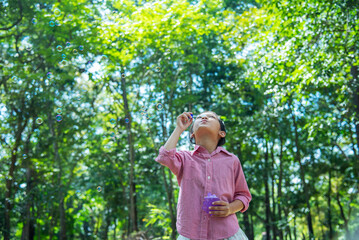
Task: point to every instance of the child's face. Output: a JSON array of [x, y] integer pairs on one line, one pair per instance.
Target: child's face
[[207, 122]]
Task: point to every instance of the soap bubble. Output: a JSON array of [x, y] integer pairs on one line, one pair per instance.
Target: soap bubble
[[28, 48], [99, 188], [52, 24], [63, 63], [123, 75], [75, 51], [24, 156], [70, 17], [81, 48], [57, 12], [158, 69], [59, 111], [58, 118], [34, 21], [184, 84], [59, 48], [159, 106], [68, 44], [49, 75], [112, 120], [39, 120], [57, 23], [104, 58], [127, 120], [63, 56]]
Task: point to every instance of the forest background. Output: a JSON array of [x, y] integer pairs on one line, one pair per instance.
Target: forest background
[[91, 89]]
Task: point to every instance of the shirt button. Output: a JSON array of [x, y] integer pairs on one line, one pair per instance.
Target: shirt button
[[209, 177], [209, 159]]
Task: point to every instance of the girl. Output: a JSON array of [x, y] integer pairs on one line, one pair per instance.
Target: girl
[[209, 168]]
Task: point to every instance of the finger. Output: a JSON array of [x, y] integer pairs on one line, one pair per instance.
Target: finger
[[188, 115], [222, 203], [217, 208], [217, 213]]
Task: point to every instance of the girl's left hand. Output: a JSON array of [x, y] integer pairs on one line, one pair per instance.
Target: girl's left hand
[[221, 211]]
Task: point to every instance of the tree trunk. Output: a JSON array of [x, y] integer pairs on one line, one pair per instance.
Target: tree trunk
[[168, 187], [302, 175], [331, 234], [273, 210], [132, 184], [267, 201], [354, 73], [280, 186], [28, 230], [10, 177], [61, 194], [342, 213]]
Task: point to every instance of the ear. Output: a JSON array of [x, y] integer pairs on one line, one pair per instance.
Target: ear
[[222, 133]]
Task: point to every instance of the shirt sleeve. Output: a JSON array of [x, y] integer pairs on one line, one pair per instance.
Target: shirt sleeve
[[241, 189], [171, 159]]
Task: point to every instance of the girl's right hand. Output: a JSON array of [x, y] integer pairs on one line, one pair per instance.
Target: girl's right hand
[[184, 120]]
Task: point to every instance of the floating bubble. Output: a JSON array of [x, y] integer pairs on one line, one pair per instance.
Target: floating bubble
[[184, 84], [99, 188], [49, 75], [57, 23], [104, 58], [63, 63], [52, 24], [127, 120], [59, 48], [123, 75], [159, 106], [58, 118], [28, 48], [112, 121], [34, 21], [70, 17], [81, 48], [24, 156], [39, 120], [158, 69], [59, 111], [57, 12], [68, 44], [63, 56], [75, 51]]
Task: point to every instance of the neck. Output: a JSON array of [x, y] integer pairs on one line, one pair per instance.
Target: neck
[[207, 143]]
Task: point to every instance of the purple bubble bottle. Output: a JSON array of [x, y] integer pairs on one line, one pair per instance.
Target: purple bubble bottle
[[208, 200]]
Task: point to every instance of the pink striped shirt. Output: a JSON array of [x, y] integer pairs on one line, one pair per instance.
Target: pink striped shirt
[[199, 173]]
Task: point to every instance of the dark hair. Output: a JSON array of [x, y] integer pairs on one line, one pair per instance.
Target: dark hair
[[221, 141]]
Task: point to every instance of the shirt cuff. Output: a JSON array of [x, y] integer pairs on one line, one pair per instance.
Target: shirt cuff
[[164, 152], [244, 200]]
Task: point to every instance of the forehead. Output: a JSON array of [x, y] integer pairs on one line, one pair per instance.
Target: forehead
[[209, 113]]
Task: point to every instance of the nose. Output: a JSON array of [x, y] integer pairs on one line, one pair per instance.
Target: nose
[[204, 117]]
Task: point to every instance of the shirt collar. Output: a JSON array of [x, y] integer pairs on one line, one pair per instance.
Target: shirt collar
[[202, 150]]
